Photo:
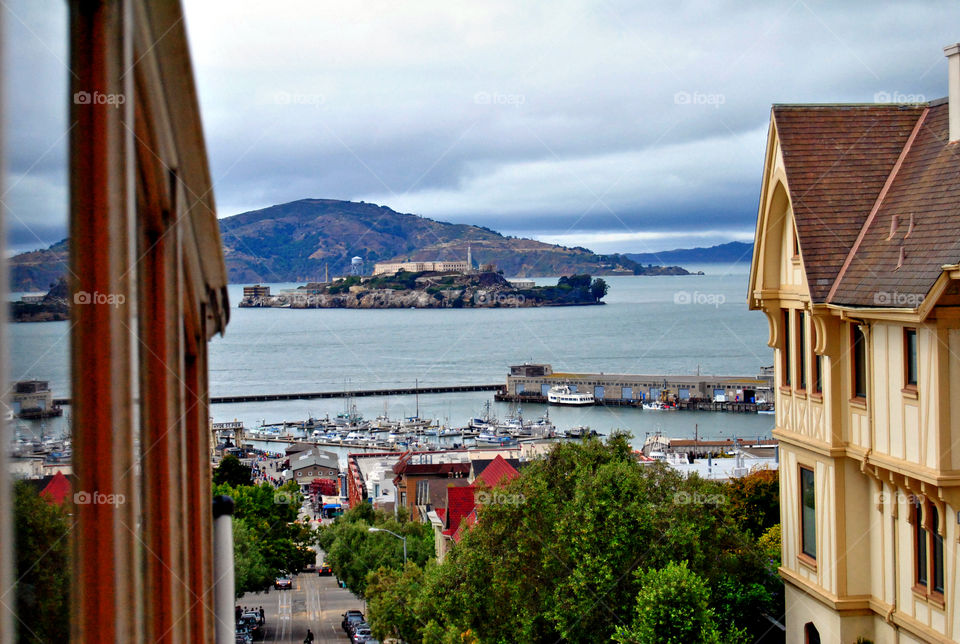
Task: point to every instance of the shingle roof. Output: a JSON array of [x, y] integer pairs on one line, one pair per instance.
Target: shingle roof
[[837, 159], [498, 472], [916, 227]]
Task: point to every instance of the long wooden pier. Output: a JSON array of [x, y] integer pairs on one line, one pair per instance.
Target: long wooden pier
[[356, 393]]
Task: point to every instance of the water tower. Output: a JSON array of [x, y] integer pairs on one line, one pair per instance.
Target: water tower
[[356, 266]]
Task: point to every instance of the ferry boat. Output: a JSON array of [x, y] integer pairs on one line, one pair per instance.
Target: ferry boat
[[563, 395]]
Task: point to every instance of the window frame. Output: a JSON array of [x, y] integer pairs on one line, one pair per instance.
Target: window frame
[[785, 354], [911, 371], [801, 340], [858, 363], [805, 555], [817, 362], [928, 555]]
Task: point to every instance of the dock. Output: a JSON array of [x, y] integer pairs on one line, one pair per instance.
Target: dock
[[734, 393]]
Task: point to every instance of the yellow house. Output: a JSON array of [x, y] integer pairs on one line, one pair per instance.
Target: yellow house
[[856, 268]]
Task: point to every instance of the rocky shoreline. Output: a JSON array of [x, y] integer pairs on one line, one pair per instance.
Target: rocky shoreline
[[432, 291]]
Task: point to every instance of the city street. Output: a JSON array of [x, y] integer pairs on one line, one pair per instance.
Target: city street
[[314, 602]]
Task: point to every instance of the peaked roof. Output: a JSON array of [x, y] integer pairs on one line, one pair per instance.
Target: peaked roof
[[498, 472], [837, 159], [58, 489], [915, 229]]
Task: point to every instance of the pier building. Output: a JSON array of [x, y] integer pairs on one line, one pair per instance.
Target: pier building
[[533, 381]]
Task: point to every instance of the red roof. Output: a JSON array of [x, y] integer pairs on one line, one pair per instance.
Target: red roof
[[460, 502], [467, 522], [498, 473], [58, 489]]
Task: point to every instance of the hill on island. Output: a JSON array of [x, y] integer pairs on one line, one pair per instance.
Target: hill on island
[[302, 240], [298, 241], [728, 253]]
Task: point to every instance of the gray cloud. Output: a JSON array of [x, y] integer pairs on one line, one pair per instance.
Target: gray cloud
[[614, 122]]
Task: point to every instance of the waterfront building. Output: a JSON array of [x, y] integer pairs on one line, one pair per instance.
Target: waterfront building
[[257, 290], [33, 399], [537, 379], [856, 268], [314, 464]]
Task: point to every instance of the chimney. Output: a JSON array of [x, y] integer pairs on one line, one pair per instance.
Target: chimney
[[953, 83]]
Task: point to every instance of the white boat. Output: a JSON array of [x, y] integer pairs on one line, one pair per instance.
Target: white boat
[[496, 439], [563, 395]]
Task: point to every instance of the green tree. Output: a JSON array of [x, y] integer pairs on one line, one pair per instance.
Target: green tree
[[271, 516], [250, 570], [599, 289], [391, 609], [232, 472], [755, 501], [672, 607], [43, 567], [353, 551]]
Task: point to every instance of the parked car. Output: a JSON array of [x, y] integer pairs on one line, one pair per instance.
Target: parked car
[[282, 583], [350, 619], [356, 626], [250, 622], [361, 635]]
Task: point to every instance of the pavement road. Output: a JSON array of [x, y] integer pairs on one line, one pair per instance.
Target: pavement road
[[314, 602]]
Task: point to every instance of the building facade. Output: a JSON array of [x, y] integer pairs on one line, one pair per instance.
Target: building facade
[[855, 267]]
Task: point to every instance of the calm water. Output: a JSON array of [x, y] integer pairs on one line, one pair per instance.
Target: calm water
[[653, 325]]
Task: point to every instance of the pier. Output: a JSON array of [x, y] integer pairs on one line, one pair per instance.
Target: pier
[[356, 393]]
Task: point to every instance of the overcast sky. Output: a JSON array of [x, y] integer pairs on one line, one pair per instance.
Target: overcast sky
[[616, 125]]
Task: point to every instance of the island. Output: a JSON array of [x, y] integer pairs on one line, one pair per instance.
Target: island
[[51, 307], [430, 290]]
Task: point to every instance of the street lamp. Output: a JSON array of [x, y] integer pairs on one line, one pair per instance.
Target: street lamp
[[404, 539]]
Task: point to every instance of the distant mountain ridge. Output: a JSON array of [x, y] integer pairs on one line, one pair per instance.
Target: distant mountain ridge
[[306, 239], [730, 252]]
